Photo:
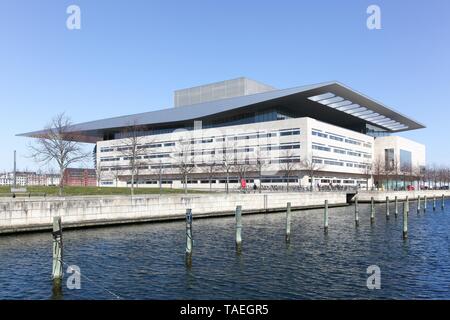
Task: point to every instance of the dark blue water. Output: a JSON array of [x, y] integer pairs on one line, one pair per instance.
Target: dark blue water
[[148, 261]]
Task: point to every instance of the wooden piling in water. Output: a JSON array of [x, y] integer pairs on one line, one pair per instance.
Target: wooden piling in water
[[434, 203], [57, 268], [325, 217], [387, 208], [407, 204], [418, 204], [405, 221], [238, 215], [372, 210], [396, 206], [189, 240], [443, 202], [288, 222], [356, 212], [425, 203]]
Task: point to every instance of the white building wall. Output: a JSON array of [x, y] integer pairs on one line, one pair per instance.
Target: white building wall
[[397, 143], [290, 139]]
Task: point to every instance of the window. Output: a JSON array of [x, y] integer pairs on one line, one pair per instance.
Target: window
[[340, 151], [389, 159], [405, 160], [321, 148], [336, 138], [319, 134]]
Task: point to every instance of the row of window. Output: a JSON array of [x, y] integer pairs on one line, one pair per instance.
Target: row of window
[[283, 132], [318, 133], [341, 151], [334, 162]]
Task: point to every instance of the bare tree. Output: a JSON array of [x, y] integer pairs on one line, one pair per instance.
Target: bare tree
[[367, 173], [115, 173], [289, 164], [311, 166], [58, 144], [227, 161], [378, 170], [260, 164], [132, 150], [184, 159], [210, 167]]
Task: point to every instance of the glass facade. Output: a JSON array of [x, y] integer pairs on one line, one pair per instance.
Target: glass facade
[[405, 160], [389, 159]]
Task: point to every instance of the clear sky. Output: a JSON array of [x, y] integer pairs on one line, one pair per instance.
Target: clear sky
[[130, 55]]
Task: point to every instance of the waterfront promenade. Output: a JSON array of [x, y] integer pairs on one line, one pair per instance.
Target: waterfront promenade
[[36, 214]]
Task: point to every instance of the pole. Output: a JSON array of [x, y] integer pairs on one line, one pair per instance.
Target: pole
[[57, 270], [396, 206], [189, 241], [387, 208], [407, 204], [425, 203], [434, 203], [14, 174], [356, 212], [418, 204], [288, 222], [405, 221], [372, 210], [325, 217], [443, 202], [238, 226]]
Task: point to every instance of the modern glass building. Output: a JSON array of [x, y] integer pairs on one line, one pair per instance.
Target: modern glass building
[[242, 129]]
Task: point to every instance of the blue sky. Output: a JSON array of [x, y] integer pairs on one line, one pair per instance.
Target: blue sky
[[129, 56]]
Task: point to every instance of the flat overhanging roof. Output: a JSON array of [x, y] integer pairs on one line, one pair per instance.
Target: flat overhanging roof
[[330, 102]]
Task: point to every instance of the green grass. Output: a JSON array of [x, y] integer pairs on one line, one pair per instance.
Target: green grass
[[90, 191]]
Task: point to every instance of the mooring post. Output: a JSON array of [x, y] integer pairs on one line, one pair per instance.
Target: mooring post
[[372, 210], [325, 217], [396, 206], [434, 202], [356, 211], [443, 202], [238, 226], [405, 221], [57, 271], [418, 204], [189, 240], [407, 204], [425, 203], [387, 208], [288, 222]]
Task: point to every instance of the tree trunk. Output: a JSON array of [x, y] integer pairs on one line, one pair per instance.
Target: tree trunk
[[61, 181], [132, 182]]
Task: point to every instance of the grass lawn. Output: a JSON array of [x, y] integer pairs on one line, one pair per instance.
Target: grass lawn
[[87, 191]]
